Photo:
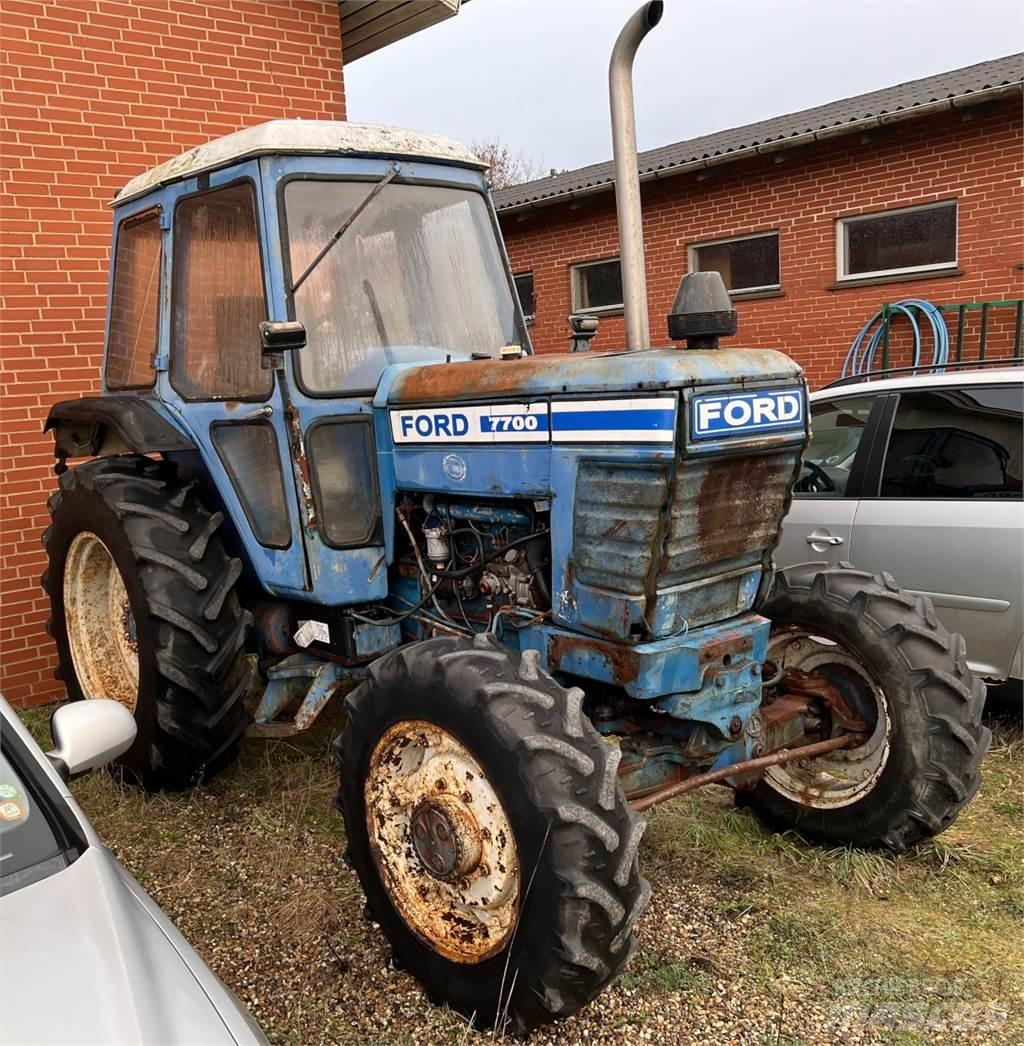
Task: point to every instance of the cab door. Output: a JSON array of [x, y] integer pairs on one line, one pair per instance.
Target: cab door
[[212, 377], [820, 522]]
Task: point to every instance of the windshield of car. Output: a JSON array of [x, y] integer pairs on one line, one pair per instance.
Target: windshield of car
[[418, 274], [29, 847]]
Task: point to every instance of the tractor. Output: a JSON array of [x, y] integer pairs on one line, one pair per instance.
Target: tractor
[[325, 457]]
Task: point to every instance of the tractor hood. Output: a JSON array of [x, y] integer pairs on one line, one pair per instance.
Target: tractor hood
[[561, 374]]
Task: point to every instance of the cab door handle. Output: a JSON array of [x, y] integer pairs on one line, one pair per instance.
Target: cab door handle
[[823, 539]]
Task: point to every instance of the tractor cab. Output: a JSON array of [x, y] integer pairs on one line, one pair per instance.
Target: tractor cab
[[382, 244]]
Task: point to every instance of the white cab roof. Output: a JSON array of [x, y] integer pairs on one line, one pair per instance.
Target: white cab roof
[[310, 137], [955, 378]]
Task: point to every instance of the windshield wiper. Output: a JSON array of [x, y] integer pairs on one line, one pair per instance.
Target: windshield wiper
[[344, 227]]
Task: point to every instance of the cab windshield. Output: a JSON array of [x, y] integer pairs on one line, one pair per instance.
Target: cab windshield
[[416, 276]]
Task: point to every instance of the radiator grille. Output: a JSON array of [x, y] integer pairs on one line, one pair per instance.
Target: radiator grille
[[615, 522], [723, 513]]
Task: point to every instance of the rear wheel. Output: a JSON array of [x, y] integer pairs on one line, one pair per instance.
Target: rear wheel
[[144, 611], [907, 678], [485, 820]]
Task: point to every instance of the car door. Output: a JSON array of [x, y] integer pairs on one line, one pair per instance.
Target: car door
[[945, 515], [820, 522]]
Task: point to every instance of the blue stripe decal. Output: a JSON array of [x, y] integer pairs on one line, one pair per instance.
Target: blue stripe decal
[[590, 421]]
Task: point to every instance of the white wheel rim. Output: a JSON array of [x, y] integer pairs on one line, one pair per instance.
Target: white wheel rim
[[442, 842], [839, 778], [99, 621]]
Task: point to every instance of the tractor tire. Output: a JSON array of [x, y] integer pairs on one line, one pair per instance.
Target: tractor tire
[[144, 610], [920, 765], [453, 732]]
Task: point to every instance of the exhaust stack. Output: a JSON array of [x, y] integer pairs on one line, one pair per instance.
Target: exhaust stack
[[627, 176]]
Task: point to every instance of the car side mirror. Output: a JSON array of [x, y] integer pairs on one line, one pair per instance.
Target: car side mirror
[[278, 337], [89, 734]]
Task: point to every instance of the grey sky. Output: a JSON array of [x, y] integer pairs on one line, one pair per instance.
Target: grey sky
[[534, 72]]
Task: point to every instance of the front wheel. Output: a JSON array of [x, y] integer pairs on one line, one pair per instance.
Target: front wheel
[[486, 823], [907, 678]]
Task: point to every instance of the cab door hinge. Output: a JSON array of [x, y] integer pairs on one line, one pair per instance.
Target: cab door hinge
[[159, 362]]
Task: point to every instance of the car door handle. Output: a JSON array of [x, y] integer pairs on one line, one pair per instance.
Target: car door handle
[[823, 539]]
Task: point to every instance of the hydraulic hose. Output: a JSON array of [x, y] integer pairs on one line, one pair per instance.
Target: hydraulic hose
[[860, 359]]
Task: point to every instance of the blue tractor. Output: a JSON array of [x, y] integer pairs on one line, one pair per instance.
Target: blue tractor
[[324, 451]]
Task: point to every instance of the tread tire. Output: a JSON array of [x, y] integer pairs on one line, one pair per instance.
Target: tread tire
[[935, 704], [190, 628], [576, 835]]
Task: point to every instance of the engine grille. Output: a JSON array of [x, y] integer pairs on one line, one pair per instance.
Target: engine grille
[[615, 522], [723, 513]]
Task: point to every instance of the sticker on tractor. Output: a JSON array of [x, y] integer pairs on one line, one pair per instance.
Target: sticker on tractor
[[494, 423], [720, 415], [647, 419]]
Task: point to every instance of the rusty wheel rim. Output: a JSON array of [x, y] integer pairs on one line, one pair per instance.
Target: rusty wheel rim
[[442, 842], [100, 626], [843, 777]]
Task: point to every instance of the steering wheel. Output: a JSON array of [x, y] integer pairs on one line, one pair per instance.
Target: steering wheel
[[818, 482]]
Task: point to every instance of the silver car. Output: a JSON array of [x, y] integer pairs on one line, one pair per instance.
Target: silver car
[[87, 956], [921, 476]]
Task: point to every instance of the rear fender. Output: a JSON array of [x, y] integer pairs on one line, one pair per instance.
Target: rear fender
[[97, 426]]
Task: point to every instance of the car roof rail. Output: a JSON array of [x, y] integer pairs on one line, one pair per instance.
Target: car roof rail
[[997, 361]]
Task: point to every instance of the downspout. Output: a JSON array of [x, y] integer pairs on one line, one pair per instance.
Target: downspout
[[627, 175]]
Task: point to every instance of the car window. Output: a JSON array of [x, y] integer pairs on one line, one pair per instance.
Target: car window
[[836, 430], [29, 847], [956, 443]]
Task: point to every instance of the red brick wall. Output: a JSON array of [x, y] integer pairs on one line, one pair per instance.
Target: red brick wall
[[978, 160], [91, 93]]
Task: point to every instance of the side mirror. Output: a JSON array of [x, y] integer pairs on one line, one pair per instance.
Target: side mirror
[[89, 734], [278, 337]]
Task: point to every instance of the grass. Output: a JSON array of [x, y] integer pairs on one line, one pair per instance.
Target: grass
[[909, 949], [946, 913]]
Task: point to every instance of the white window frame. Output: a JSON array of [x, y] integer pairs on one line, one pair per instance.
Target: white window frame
[[739, 292], [577, 288], [529, 317], [841, 257]]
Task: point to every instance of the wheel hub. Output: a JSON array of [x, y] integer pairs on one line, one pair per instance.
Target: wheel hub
[[442, 842], [842, 777], [446, 838], [100, 626]]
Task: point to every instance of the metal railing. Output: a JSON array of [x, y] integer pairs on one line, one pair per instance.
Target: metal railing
[[962, 312]]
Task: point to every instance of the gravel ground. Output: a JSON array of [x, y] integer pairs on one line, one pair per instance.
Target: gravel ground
[[250, 870]]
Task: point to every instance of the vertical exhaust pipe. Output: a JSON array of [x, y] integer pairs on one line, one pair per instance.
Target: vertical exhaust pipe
[[627, 175]]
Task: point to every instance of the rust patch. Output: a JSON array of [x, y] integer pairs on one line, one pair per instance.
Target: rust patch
[[731, 644], [622, 660], [754, 477], [479, 378]]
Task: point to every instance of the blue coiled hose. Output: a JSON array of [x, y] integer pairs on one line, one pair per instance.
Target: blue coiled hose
[[861, 357]]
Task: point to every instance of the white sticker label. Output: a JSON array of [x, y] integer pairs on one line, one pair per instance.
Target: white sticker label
[[312, 632], [494, 423]]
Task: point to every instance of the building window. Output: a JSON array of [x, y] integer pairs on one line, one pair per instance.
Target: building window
[[912, 239], [134, 307], [747, 264], [524, 288], [597, 286]]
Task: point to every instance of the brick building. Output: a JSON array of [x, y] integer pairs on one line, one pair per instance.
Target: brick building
[[814, 219], [91, 93]]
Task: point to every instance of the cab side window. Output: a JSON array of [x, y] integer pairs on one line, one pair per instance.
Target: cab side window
[[134, 304], [836, 430], [218, 297], [956, 444]]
